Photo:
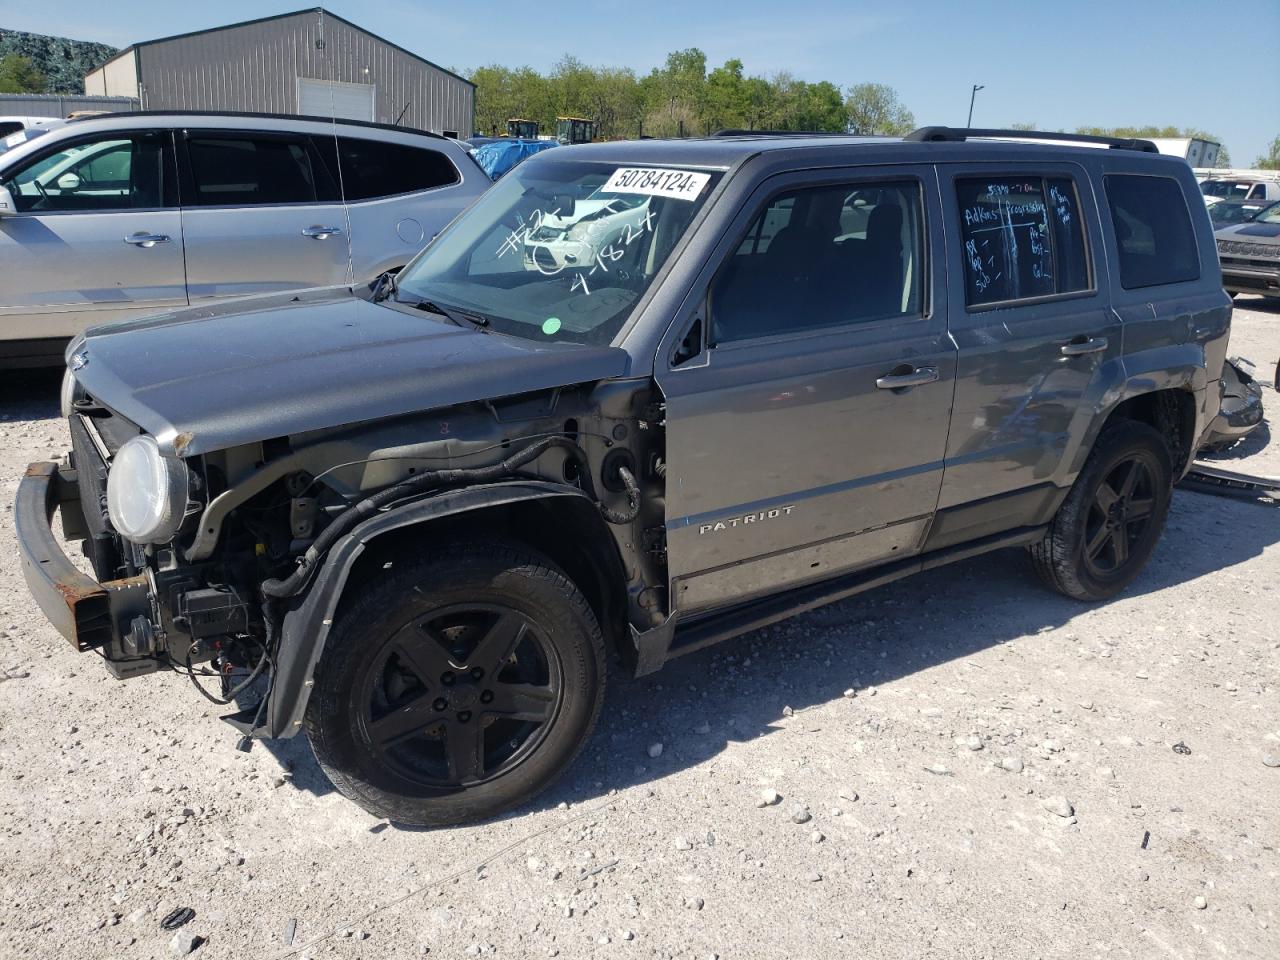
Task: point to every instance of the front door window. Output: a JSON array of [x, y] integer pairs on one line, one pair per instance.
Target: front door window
[[823, 257], [120, 172]]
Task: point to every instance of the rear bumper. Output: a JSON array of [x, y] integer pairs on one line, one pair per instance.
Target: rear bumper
[[88, 613], [1229, 426], [1240, 410], [1234, 420]]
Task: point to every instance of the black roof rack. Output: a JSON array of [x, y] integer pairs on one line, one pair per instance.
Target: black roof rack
[[261, 116], [732, 132], [958, 134]]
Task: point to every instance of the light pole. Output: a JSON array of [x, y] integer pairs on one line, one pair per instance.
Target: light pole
[[972, 95]]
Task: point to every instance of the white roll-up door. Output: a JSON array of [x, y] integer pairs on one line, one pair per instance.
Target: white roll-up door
[[325, 98]]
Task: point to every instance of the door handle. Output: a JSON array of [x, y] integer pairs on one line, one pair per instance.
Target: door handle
[[320, 233], [1080, 346], [146, 239], [906, 375]]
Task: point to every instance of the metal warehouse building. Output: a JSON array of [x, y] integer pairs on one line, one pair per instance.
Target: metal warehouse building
[[309, 62]]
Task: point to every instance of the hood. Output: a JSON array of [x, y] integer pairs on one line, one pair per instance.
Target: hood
[[209, 378], [1263, 231]]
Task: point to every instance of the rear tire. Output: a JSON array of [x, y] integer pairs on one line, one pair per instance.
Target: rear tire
[[457, 686], [1108, 526]]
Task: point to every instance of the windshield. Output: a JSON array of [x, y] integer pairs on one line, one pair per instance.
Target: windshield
[[1270, 215], [20, 137], [559, 250], [1234, 212], [1226, 188]]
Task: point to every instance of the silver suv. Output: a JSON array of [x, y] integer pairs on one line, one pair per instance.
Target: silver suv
[[116, 217]]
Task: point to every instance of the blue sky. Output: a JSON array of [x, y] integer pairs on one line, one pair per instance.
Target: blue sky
[[1057, 64]]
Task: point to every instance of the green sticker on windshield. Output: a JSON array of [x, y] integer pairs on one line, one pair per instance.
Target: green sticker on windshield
[[551, 325]]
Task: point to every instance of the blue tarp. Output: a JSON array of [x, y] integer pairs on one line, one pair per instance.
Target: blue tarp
[[500, 156]]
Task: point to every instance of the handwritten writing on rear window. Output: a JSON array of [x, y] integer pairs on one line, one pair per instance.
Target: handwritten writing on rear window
[[1005, 228]]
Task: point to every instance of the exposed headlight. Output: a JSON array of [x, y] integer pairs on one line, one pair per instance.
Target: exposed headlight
[[146, 492], [67, 395], [586, 230]]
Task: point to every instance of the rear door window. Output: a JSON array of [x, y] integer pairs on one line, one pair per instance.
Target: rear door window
[[373, 169], [244, 170], [1023, 238], [1154, 236]]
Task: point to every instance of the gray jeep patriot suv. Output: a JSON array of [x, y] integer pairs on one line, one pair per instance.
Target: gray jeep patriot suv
[[639, 398]]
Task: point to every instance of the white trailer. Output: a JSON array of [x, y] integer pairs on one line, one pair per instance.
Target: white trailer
[[1197, 152]]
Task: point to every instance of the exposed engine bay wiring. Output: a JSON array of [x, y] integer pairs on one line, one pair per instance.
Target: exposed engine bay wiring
[[344, 522], [230, 695], [415, 456]]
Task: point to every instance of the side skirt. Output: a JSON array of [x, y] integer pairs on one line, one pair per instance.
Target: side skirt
[[671, 640]]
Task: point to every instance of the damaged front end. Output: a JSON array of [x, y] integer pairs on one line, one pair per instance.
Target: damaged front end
[[90, 614], [144, 608], [267, 536]]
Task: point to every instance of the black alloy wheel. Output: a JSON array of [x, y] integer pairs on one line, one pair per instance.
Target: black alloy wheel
[[459, 695], [1122, 510], [455, 686], [1108, 526]]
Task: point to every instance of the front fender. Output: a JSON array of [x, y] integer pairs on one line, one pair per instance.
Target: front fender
[[306, 623]]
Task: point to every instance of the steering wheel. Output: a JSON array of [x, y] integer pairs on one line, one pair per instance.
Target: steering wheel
[[44, 194]]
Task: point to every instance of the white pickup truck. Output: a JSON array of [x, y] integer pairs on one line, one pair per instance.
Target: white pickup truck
[[1240, 184]]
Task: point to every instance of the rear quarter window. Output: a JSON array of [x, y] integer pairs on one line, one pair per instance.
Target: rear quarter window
[[1155, 241], [372, 169]]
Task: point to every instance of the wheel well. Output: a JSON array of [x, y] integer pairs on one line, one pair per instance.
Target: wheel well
[[568, 530], [1172, 413]]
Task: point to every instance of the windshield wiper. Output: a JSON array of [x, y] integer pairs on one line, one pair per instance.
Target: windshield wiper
[[456, 317], [386, 287]]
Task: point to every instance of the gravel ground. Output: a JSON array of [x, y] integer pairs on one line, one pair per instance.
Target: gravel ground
[[1018, 775]]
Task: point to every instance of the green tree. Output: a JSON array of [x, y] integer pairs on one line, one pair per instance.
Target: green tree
[[725, 103], [1271, 160], [873, 109], [798, 105], [762, 106], [1023, 125], [503, 93], [19, 75], [608, 95], [674, 95], [680, 98], [821, 108]]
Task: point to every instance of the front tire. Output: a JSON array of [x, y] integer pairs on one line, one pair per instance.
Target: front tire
[[457, 686], [1108, 526]]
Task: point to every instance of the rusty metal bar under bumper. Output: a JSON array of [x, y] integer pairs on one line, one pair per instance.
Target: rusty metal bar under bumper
[[81, 609]]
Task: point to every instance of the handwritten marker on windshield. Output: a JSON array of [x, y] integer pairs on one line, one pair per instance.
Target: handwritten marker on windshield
[[550, 325]]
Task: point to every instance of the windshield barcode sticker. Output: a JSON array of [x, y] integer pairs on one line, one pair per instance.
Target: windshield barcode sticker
[[677, 184]]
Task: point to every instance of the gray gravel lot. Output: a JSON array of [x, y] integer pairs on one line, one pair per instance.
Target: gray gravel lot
[[1004, 783]]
